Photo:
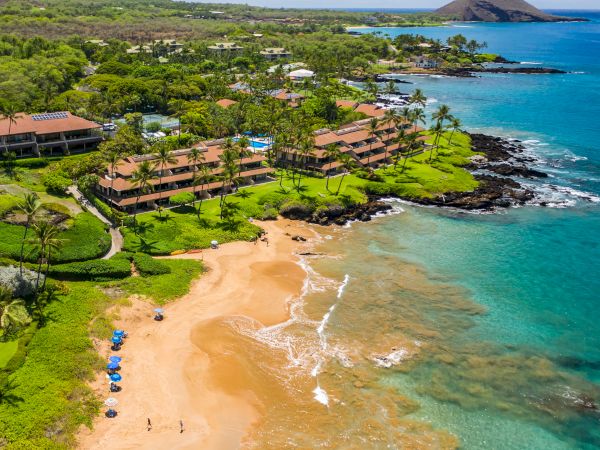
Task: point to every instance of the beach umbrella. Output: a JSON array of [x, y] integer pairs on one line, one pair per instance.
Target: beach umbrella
[[111, 402], [115, 377], [115, 340], [214, 242], [112, 365], [115, 359], [159, 310], [118, 333]]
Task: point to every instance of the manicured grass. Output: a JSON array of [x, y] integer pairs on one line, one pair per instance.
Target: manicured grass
[[85, 239], [7, 203], [48, 396], [7, 350], [183, 231], [162, 288]]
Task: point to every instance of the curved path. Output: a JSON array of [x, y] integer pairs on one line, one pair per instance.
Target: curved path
[[115, 234]]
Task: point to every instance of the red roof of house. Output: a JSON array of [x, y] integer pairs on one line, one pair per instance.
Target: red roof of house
[[370, 110], [57, 122], [225, 102], [346, 104]]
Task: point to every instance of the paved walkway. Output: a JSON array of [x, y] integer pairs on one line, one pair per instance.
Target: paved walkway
[[115, 234]]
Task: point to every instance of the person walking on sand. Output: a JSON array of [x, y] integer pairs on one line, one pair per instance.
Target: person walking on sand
[[149, 424], [180, 426]]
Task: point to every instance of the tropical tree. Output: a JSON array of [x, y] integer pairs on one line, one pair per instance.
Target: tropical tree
[[348, 164], [9, 112], [437, 130], [390, 118], [331, 153], [411, 142], [229, 169], [46, 239], [442, 114], [305, 151], [142, 179], [201, 177], [417, 115], [195, 157], [400, 139], [178, 108], [242, 144], [164, 157], [113, 159], [29, 207], [418, 98], [373, 126], [455, 125]]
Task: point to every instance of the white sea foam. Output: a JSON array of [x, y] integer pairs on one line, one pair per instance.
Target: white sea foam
[[556, 196], [321, 395], [531, 63], [394, 358]]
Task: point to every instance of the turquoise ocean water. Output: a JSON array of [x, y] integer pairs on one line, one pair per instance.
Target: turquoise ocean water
[[526, 373]]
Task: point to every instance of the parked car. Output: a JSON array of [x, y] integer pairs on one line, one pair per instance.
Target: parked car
[[109, 127]]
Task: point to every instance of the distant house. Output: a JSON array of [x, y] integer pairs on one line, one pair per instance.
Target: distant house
[[424, 62], [62, 132], [301, 75], [272, 54], [225, 47], [98, 42], [139, 49], [171, 44]]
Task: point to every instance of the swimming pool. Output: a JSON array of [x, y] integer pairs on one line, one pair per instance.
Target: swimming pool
[[255, 143]]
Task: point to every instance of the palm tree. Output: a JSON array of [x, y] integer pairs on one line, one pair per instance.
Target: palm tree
[[373, 125], [179, 109], [331, 153], [200, 178], [194, 157], [442, 114], [46, 239], [455, 125], [9, 112], [141, 178], [347, 163], [113, 159], [411, 140], [418, 115], [418, 98], [437, 130], [243, 143], [30, 206], [164, 157], [229, 167], [305, 151], [390, 118], [400, 140]]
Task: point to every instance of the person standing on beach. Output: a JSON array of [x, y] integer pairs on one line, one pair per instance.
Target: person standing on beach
[[149, 424], [180, 426]]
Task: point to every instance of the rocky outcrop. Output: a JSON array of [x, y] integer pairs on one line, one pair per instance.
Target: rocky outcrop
[[499, 11]]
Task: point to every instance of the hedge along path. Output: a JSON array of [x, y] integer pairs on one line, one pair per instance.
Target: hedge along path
[[115, 235]]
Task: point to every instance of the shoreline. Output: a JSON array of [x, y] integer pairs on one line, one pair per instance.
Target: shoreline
[[168, 377]]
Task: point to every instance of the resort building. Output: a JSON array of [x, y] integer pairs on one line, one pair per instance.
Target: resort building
[[49, 134], [301, 75], [119, 190], [365, 108], [366, 148], [273, 54], [293, 99], [225, 47], [423, 62], [225, 103]]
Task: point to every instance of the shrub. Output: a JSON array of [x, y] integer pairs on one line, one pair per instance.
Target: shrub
[[296, 209], [269, 214], [153, 127], [96, 270], [20, 285], [376, 188], [146, 265], [56, 183], [183, 198]]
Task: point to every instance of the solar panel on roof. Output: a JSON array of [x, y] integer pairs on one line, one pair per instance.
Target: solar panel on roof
[[49, 116]]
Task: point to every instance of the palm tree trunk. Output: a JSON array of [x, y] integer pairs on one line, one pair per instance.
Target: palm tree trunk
[[160, 190], [23, 247], [47, 270], [39, 270], [340, 185]]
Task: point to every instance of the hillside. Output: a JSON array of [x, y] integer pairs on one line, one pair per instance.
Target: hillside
[[498, 11]]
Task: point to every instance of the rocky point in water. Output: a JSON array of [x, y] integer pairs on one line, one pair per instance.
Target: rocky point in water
[[499, 11]]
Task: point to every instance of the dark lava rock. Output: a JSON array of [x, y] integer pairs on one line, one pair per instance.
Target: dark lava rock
[[514, 171], [298, 238]]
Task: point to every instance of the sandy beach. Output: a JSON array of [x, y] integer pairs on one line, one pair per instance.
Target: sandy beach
[[170, 375]]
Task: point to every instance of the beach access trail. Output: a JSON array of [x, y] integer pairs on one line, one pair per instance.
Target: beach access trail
[[166, 377]]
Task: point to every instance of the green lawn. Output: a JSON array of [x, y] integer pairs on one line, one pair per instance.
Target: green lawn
[[7, 350], [86, 238], [182, 230]]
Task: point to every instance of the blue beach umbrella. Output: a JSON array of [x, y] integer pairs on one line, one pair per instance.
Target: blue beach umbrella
[[115, 359], [118, 333], [115, 378], [112, 365], [159, 310], [115, 340]]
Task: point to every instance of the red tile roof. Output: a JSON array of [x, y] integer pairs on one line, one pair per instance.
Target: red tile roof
[[48, 123], [225, 102]]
